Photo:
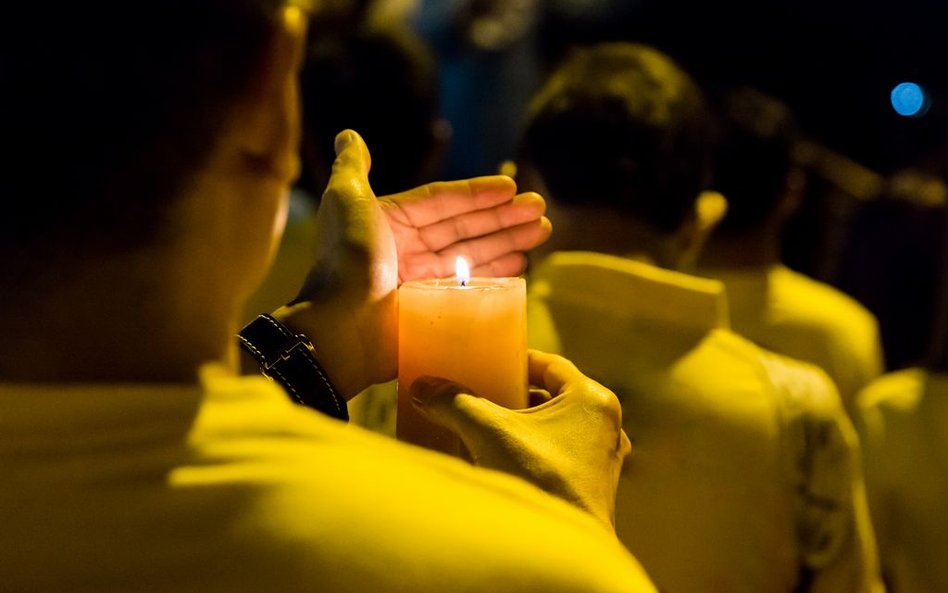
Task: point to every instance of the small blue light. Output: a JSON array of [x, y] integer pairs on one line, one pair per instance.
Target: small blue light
[[909, 100]]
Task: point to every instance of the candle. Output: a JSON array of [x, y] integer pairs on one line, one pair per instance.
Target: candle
[[470, 330]]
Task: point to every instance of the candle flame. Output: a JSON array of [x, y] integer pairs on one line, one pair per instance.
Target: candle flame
[[462, 271]]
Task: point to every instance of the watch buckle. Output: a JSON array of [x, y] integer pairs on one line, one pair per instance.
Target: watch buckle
[[287, 351]]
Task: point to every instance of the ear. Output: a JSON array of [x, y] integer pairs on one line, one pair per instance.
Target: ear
[[508, 168], [268, 118], [710, 208]]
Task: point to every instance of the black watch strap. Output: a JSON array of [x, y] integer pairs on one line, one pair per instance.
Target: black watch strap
[[290, 360]]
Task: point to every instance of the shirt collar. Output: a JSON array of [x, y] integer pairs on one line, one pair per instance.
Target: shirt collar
[[37, 415], [596, 281]]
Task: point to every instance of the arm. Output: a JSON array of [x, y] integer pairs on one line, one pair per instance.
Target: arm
[[855, 565], [835, 536]]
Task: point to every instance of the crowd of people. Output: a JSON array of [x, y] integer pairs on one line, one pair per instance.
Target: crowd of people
[[702, 418]]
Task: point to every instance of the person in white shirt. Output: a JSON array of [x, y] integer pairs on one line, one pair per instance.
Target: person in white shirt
[[901, 419], [744, 475], [772, 305], [134, 456]]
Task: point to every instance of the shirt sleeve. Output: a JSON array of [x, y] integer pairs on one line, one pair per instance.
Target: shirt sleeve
[[836, 544]]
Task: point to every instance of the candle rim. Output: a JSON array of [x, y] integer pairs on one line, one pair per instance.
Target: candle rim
[[477, 283]]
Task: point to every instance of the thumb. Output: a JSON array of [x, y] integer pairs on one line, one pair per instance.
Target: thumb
[[454, 407], [350, 170]]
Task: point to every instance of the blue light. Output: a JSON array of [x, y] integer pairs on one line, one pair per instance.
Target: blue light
[[909, 100]]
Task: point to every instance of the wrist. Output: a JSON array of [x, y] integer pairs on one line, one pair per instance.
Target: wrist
[[289, 359], [342, 354]]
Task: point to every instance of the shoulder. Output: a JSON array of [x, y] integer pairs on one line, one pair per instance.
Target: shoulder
[[888, 408], [786, 381], [893, 393], [797, 384], [346, 506], [810, 301], [821, 456]]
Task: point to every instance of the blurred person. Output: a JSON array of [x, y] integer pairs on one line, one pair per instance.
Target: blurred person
[[385, 85], [488, 69], [135, 458], [778, 308], [901, 418], [744, 475]]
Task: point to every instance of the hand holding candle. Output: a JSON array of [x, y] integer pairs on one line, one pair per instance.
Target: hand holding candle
[[571, 445], [367, 245], [469, 330]]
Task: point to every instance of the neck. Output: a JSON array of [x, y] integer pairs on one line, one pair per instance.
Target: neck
[[603, 231], [754, 249], [120, 320]]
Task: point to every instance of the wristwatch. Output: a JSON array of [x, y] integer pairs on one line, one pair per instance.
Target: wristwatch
[[290, 360]]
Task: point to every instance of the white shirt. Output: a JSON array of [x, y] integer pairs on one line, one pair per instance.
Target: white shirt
[[902, 421], [744, 475], [792, 314], [228, 487]]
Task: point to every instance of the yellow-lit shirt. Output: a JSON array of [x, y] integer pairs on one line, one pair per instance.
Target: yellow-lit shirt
[[744, 474], [229, 487], [792, 314], [903, 421]]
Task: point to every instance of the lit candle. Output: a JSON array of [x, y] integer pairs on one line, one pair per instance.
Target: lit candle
[[470, 330]]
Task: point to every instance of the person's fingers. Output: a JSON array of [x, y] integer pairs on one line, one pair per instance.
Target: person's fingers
[[452, 406], [522, 209], [522, 237], [442, 200], [551, 372], [538, 397], [625, 445], [498, 254]]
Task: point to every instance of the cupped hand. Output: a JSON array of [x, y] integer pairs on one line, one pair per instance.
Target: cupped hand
[[571, 445], [366, 246]]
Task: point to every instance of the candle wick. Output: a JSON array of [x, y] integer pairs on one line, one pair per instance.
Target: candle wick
[[463, 282]]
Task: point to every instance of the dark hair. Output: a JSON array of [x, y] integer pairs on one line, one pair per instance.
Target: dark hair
[[753, 158], [108, 109], [620, 125], [380, 82]]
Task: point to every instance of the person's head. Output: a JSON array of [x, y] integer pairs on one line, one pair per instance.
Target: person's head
[[620, 128], [754, 161], [114, 116], [383, 84]]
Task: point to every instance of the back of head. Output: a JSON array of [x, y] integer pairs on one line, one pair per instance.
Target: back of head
[[382, 83], [621, 126], [107, 111], [753, 158]]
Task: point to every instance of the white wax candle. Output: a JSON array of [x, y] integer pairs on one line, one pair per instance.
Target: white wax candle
[[473, 333]]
